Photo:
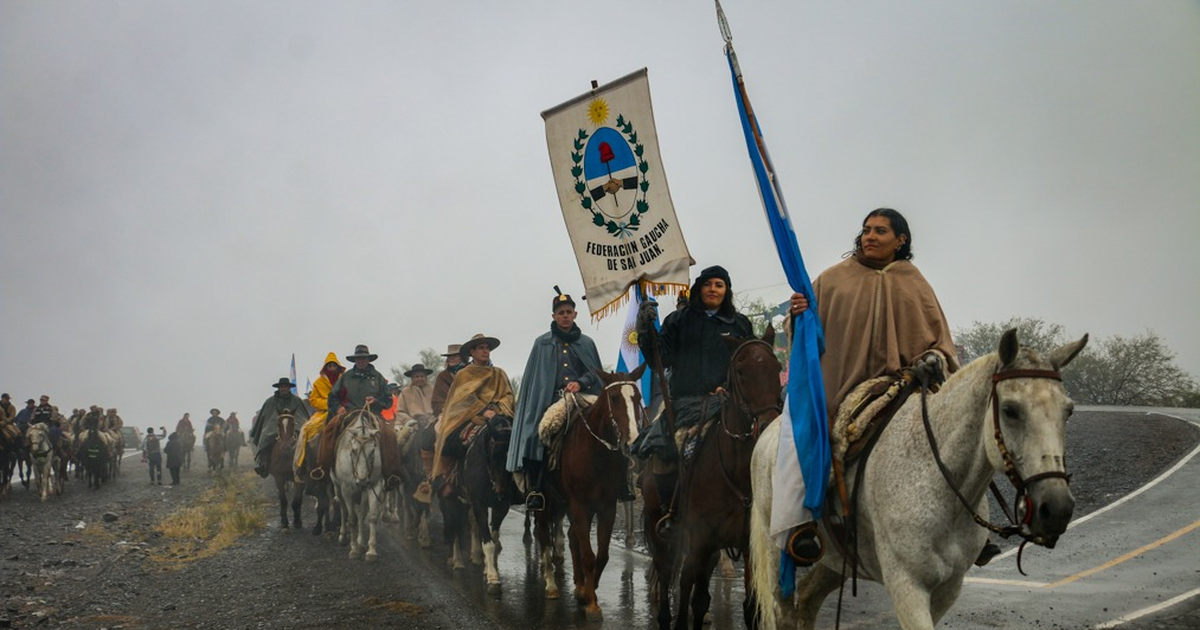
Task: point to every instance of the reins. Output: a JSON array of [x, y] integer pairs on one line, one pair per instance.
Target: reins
[[1019, 483]]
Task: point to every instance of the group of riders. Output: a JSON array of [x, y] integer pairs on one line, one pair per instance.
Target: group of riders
[[880, 318], [67, 438], [879, 315]]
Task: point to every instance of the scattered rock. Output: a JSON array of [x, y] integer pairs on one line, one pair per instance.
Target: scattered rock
[[110, 517]]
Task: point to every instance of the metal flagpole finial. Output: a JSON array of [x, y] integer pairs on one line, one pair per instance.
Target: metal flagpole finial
[[724, 25]]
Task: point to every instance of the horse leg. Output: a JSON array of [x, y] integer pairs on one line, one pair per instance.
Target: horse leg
[[322, 506], [694, 575], [911, 603], [583, 560], [281, 491], [488, 549], [375, 505], [543, 532], [816, 585], [475, 526], [423, 526], [297, 505], [604, 530]]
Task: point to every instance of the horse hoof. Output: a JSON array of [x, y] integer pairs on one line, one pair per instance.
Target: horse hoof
[[371, 556], [297, 524], [316, 530], [593, 615], [493, 589], [283, 525], [552, 593], [355, 554]]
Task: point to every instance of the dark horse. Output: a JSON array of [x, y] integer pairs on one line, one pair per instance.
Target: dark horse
[[489, 491], [594, 467], [94, 457], [709, 498], [417, 459], [319, 488], [280, 467]]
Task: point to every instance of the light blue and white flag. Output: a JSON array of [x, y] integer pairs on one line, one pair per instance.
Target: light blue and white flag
[[629, 357], [805, 386], [292, 374]]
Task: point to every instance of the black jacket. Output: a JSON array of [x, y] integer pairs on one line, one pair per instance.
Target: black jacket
[[691, 346]]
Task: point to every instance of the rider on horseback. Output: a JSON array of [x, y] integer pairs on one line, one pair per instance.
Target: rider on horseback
[[480, 392], [880, 316], [691, 345], [266, 424], [562, 361], [362, 386]]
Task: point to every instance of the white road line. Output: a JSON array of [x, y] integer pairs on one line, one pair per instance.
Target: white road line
[[1119, 621], [1153, 482]]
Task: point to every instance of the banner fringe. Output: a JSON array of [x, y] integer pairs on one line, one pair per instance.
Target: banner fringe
[[656, 288]]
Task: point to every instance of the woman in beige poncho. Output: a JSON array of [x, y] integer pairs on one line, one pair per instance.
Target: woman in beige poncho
[[879, 316]]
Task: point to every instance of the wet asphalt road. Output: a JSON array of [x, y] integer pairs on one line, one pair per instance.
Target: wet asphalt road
[[1114, 563]]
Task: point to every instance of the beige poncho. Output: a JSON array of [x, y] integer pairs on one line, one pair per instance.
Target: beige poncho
[[876, 322], [475, 387]]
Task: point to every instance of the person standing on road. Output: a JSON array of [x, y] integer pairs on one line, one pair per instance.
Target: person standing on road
[[174, 453], [152, 454]]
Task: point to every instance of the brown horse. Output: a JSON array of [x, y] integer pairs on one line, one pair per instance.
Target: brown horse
[[280, 468], [214, 448], [594, 468], [710, 497]]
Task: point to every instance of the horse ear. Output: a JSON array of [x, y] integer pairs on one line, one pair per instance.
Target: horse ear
[[604, 377], [1009, 346], [637, 374], [1063, 355], [769, 335], [732, 342]]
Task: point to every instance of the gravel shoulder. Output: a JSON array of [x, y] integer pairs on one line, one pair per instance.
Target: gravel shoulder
[[112, 574]]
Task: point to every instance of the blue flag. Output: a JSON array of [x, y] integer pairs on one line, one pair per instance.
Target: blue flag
[[805, 387], [629, 355], [292, 374]]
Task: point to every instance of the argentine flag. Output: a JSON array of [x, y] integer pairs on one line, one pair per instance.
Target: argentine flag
[[629, 357]]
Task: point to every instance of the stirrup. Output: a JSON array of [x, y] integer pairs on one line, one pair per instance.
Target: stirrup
[[804, 545], [393, 482], [535, 501], [664, 525], [317, 474]]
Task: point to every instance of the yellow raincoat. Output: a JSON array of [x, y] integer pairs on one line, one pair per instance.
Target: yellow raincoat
[[319, 399]]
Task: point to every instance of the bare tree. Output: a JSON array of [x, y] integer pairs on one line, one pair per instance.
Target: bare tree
[[982, 338], [1137, 371], [430, 358]]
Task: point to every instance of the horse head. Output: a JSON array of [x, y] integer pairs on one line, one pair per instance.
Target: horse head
[[1029, 414], [286, 423], [753, 379], [621, 403]]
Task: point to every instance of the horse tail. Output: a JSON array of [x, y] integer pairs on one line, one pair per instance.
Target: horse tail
[[764, 554]]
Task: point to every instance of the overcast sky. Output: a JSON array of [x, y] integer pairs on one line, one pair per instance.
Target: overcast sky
[[190, 192]]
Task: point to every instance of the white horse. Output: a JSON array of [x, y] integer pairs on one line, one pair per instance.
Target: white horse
[[358, 480], [915, 535], [45, 460]]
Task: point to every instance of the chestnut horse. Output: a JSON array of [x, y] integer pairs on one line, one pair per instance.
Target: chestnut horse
[[713, 489], [280, 468], [594, 467]]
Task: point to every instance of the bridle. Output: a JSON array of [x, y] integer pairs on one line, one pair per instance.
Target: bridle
[[735, 392], [362, 435], [1019, 483], [612, 419], [736, 389]]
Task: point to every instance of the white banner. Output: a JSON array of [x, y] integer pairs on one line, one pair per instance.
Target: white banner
[[613, 192]]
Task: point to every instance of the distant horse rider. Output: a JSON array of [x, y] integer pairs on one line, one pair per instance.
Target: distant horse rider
[[265, 431]]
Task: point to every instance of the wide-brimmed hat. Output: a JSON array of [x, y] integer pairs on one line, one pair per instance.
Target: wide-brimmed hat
[[216, 412], [479, 338], [284, 382], [452, 350], [394, 385], [418, 368], [361, 352]]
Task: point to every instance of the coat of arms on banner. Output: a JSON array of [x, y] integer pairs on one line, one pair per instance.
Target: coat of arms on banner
[[613, 192]]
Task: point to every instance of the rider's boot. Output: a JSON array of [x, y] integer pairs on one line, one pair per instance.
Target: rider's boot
[[535, 501]]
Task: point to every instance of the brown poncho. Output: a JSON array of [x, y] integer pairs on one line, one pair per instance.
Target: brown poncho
[[475, 387], [876, 322]]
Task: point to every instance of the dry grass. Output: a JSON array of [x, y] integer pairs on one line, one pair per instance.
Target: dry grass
[[231, 509]]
